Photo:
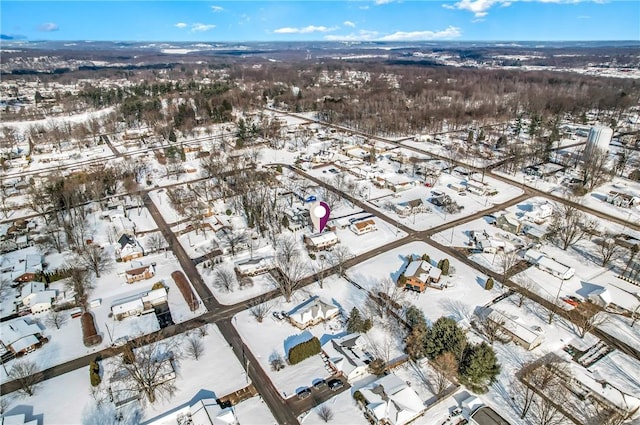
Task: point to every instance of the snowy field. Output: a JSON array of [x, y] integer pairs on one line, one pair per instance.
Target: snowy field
[[194, 381]]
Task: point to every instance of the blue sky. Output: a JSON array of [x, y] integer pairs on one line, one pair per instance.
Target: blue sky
[[322, 20]]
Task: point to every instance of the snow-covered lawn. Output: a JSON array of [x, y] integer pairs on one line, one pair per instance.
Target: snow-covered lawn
[[344, 408], [215, 374]]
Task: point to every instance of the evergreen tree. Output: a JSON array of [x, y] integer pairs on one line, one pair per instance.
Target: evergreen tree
[[445, 335], [354, 323], [415, 318], [444, 266], [489, 284], [172, 136], [479, 367], [426, 258]]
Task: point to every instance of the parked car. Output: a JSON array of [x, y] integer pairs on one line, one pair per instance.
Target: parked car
[[320, 384], [335, 384], [304, 393], [278, 315]]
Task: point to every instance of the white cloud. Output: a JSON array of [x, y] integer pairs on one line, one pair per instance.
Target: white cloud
[[362, 35], [48, 27], [217, 8], [181, 25], [367, 35], [198, 27], [303, 30], [379, 2], [349, 24], [449, 32], [480, 8]]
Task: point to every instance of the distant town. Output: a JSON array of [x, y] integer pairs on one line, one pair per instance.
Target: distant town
[[163, 259]]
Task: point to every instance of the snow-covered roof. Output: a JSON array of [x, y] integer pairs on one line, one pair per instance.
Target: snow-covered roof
[[323, 238], [17, 420], [31, 288], [43, 297], [208, 412], [512, 325], [12, 331], [391, 399], [312, 309], [346, 354], [553, 265]]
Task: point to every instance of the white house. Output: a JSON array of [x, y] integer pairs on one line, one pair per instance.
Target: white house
[[253, 266], [29, 291], [517, 331], [128, 248], [600, 297], [311, 312], [208, 412], [348, 356], [41, 301], [389, 400], [320, 241], [362, 227], [19, 336], [138, 304], [549, 265]]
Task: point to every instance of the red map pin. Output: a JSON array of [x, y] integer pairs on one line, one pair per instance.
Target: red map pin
[[319, 213]]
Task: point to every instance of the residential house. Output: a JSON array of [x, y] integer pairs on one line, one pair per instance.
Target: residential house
[[36, 297], [312, 312], [420, 274], [138, 304], [20, 419], [549, 265], [490, 245], [141, 273], [347, 355], [621, 199], [362, 227], [28, 269], [398, 184], [128, 248], [534, 233], [20, 337], [390, 401], [518, 332], [415, 206], [253, 266], [476, 188], [320, 241], [600, 297], [540, 213], [208, 412], [509, 223]]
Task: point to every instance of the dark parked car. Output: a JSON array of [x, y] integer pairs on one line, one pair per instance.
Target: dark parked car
[[335, 384], [320, 384]]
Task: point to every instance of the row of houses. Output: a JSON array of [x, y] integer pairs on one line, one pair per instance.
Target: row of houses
[[19, 337]]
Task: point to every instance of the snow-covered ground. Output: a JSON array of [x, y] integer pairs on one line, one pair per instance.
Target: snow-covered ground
[[196, 379]]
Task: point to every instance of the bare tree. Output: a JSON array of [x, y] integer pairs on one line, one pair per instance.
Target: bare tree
[[80, 284], [325, 413], [224, 279], [94, 258], [155, 242], [260, 309], [338, 258], [539, 376], [23, 372], [586, 317], [276, 361], [488, 327], [445, 368], [195, 347], [545, 408], [594, 168], [384, 296], [608, 249], [149, 370], [508, 260], [525, 286], [289, 274], [56, 318], [235, 239], [569, 225]]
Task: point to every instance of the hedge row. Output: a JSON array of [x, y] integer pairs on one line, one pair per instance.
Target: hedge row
[[185, 289], [89, 332], [304, 350]]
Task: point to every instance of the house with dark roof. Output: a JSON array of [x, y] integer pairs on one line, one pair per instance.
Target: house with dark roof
[[348, 356], [128, 248]]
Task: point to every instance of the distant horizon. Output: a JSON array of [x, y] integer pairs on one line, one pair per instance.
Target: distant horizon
[[317, 21]]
